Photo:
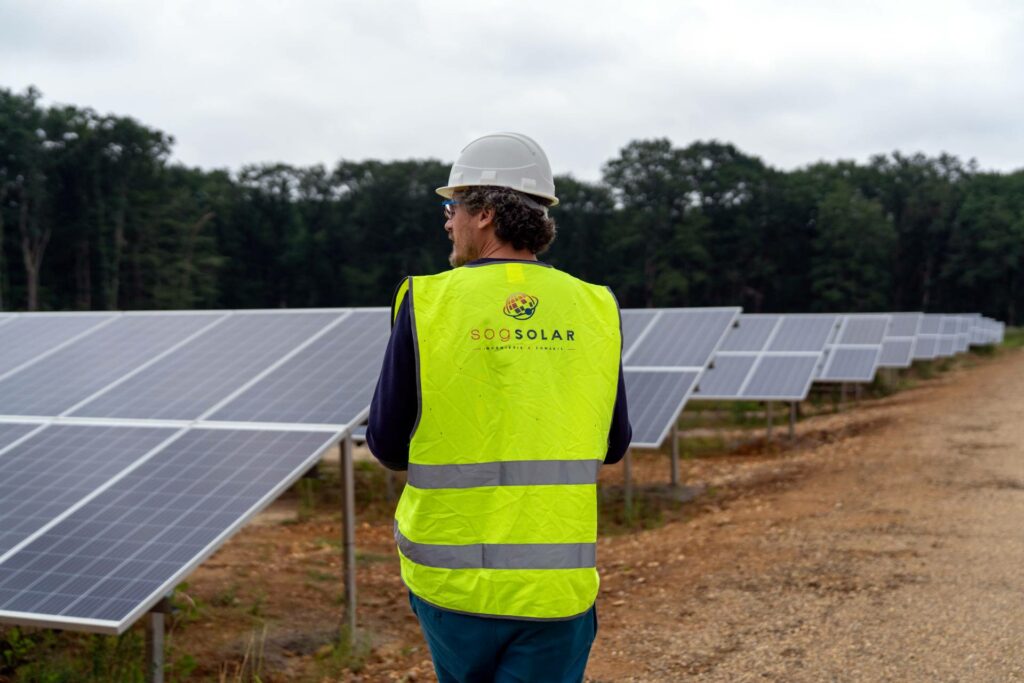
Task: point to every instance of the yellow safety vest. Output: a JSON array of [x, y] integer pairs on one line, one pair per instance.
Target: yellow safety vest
[[517, 375]]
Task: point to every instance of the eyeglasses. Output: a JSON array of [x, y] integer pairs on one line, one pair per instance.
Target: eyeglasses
[[449, 208]]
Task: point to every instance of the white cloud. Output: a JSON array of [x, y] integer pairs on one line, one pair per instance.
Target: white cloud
[[793, 82]]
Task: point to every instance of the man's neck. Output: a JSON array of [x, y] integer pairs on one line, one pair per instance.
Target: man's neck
[[503, 250]]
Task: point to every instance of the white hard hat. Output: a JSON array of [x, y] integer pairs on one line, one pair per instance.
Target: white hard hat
[[504, 159]]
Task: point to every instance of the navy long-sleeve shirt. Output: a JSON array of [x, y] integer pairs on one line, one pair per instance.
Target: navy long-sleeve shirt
[[395, 401]]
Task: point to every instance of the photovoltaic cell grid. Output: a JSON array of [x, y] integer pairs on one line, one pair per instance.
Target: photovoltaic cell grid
[[768, 358], [856, 352], [109, 561], [93, 362], [45, 475], [29, 336], [196, 376], [329, 382], [664, 353]]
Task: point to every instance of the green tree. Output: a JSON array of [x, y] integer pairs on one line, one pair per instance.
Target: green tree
[[853, 253]]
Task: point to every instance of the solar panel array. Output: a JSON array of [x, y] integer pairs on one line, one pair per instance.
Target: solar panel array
[[133, 444], [768, 358], [665, 352]]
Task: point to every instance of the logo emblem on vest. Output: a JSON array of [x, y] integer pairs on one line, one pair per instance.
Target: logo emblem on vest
[[520, 306]]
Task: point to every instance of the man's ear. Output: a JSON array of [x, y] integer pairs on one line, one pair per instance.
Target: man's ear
[[485, 217]]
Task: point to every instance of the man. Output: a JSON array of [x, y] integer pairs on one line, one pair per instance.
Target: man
[[501, 393]]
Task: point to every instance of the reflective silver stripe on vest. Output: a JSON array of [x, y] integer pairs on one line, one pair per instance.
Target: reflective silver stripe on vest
[[500, 555], [508, 473]]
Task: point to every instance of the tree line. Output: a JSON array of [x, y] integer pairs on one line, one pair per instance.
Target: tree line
[[94, 215]]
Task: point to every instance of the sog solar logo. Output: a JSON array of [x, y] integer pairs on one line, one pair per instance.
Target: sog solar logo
[[520, 306]]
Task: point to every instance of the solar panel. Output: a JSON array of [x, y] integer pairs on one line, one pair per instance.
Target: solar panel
[[655, 400], [726, 376], [905, 324], [634, 322], [108, 562], [808, 333], [781, 355], [897, 353], [329, 382], [751, 334], [864, 329], [197, 375], [781, 377], [855, 354], [898, 345], [79, 370], [59, 466], [850, 364], [926, 347], [29, 336], [681, 337], [663, 361]]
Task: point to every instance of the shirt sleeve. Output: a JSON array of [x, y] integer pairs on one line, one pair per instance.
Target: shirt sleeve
[[621, 432], [395, 405]]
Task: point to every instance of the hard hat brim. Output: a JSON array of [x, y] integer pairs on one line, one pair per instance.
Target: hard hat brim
[[448, 190]]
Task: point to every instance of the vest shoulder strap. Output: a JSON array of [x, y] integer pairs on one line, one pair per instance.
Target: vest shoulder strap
[[399, 296]]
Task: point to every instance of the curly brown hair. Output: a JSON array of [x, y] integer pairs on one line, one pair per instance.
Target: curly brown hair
[[519, 220]]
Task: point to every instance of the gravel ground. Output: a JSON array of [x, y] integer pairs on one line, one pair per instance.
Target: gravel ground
[[885, 544], [893, 554]]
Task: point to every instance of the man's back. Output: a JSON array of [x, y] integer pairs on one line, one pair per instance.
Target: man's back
[[518, 368]]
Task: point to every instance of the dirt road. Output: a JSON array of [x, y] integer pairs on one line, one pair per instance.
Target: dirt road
[[887, 544], [895, 554]]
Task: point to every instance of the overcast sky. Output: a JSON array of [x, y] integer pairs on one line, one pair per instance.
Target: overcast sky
[[312, 81]]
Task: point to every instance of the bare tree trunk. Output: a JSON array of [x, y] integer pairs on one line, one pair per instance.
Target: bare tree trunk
[[184, 287], [114, 275], [3, 273], [83, 276], [33, 246]]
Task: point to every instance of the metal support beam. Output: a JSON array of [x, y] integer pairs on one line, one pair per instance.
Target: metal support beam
[[348, 541], [675, 454], [627, 479], [768, 410], [792, 420], [155, 642]]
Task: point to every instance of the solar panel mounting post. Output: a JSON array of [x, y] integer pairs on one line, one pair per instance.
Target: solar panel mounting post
[[768, 412], [155, 642], [675, 453], [792, 420], [348, 542], [627, 481]]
